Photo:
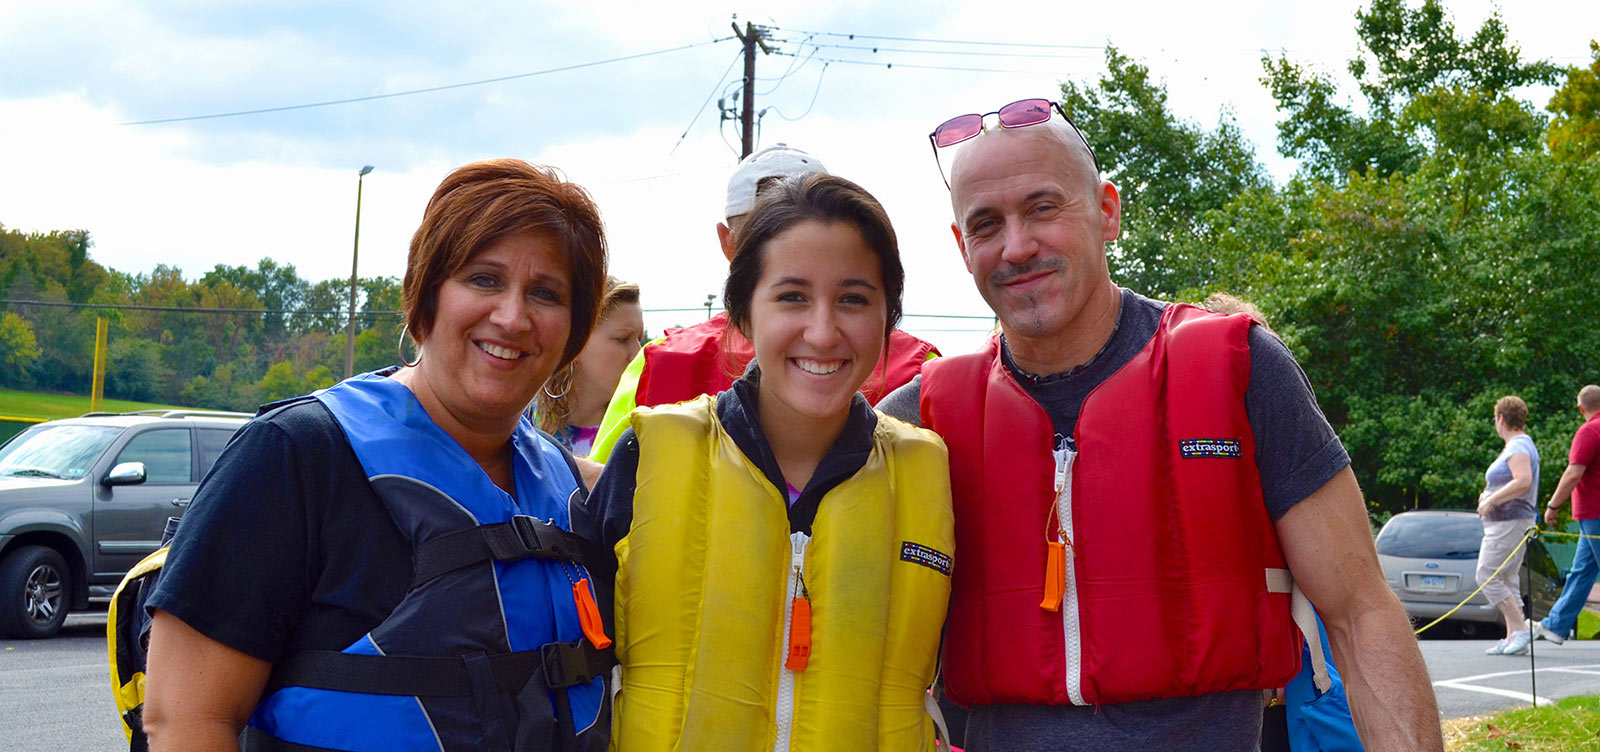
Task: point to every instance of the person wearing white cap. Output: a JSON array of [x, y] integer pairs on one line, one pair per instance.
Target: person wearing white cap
[[708, 357]]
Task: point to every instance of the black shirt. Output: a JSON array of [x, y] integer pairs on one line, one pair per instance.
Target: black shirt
[[285, 546]]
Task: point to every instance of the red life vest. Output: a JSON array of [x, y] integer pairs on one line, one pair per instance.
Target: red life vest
[[1168, 546], [706, 359]]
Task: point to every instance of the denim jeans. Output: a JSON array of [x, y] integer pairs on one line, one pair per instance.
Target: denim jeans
[[1564, 615]]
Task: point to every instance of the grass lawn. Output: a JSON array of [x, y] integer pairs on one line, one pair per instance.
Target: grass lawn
[[1570, 724], [1588, 625], [46, 405]]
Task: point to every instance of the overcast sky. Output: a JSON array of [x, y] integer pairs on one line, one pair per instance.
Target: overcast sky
[[233, 190]]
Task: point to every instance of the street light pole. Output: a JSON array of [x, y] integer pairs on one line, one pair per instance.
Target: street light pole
[[350, 330]]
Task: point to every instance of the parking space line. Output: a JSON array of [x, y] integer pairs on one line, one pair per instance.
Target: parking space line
[[1513, 694], [1573, 671], [1522, 672]]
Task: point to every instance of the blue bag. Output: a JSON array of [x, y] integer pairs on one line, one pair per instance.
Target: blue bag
[[1319, 721]]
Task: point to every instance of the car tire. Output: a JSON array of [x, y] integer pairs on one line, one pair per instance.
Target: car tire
[[35, 592]]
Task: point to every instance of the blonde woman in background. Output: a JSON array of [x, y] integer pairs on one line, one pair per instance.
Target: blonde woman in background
[[571, 404]]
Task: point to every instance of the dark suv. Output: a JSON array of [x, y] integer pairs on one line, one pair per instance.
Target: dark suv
[[84, 499]]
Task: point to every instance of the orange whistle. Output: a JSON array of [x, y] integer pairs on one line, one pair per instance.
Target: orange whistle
[[1055, 575], [589, 615], [799, 636]]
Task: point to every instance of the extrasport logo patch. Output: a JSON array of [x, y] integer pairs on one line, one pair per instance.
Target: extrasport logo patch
[[934, 559], [1228, 448]]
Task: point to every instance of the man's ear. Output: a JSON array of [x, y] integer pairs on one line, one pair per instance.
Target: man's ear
[[726, 240], [1110, 211], [961, 244]]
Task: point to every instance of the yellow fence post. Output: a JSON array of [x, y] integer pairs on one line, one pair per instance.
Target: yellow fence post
[[97, 391]]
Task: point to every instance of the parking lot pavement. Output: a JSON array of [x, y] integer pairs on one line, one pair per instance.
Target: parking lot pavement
[[1467, 682], [55, 694]]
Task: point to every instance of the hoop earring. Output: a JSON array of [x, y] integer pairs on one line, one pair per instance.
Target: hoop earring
[[401, 347], [567, 372]]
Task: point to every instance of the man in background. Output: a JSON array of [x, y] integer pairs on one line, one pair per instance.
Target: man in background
[[1580, 481]]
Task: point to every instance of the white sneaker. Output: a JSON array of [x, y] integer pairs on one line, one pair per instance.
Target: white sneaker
[[1498, 648], [1542, 632], [1517, 642]]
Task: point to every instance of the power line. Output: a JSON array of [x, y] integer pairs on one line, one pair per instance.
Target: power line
[[949, 41], [428, 89], [793, 68], [713, 93], [965, 53], [813, 98], [892, 64]]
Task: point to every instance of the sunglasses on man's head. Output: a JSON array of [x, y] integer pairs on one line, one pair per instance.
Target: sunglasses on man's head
[[1018, 114]]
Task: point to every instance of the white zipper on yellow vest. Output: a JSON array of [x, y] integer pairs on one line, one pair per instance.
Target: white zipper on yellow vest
[[786, 677], [1065, 456]]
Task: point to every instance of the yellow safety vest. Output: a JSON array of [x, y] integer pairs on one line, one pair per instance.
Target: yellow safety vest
[[705, 585]]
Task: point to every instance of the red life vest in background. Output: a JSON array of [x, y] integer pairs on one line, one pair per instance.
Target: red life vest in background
[[708, 357], [1168, 546]]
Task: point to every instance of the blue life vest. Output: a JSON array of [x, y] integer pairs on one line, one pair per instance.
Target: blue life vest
[[471, 656], [1319, 721]]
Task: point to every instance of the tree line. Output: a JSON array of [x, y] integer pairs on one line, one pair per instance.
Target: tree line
[[287, 338], [1438, 248]]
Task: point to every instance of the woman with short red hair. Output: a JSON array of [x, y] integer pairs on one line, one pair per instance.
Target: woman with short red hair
[[384, 564]]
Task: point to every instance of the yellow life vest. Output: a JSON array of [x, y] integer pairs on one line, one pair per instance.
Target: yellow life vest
[[125, 651], [706, 577]]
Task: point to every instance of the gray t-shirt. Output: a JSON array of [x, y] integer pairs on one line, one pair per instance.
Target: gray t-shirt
[[1296, 453], [1499, 474]]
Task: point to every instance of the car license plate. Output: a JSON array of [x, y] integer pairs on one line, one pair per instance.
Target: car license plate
[[1431, 582]]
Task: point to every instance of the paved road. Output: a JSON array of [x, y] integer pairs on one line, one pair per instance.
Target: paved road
[[1467, 682], [55, 695]]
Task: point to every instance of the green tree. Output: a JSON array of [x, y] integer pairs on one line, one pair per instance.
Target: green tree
[[279, 289], [1427, 92], [281, 382], [1411, 318], [134, 370], [330, 298], [19, 348], [1575, 131], [1170, 173]]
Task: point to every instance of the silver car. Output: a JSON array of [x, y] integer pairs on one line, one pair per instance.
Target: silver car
[[1430, 558], [84, 499]]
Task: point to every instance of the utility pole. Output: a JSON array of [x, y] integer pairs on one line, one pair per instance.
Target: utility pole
[[752, 36]]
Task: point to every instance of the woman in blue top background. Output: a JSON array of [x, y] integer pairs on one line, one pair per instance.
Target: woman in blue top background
[[1508, 509], [308, 536]]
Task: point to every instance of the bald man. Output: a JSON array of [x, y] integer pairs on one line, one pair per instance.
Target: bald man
[[1581, 481], [1139, 489]]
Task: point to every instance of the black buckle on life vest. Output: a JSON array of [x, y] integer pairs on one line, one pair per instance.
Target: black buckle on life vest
[[523, 537], [539, 539], [568, 664]]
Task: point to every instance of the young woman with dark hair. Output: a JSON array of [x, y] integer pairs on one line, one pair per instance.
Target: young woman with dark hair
[[782, 551]]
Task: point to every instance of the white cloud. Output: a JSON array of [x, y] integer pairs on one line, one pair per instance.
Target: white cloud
[[208, 192]]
